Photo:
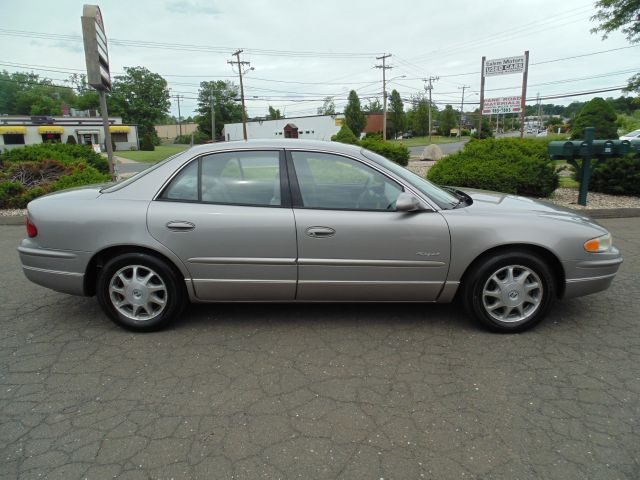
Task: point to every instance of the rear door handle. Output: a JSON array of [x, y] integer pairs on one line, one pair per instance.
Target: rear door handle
[[320, 232], [180, 226]]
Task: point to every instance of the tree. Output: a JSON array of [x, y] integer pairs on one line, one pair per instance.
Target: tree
[[345, 135], [328, 107], [397, 120], [274, 114], [448, 120], [599, 114], [623, 15], [355, 119], [374, 106], [141, 97], [618, 15], [418, 115], [227, 109]]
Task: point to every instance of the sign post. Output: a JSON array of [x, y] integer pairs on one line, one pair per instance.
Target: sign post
[[98, 74], [504, 66]]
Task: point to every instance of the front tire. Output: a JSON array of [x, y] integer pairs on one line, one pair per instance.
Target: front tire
[[509, 292], [140, 292]]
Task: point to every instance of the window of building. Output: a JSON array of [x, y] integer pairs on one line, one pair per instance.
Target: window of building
[[329, 181], [13, 138], [51, 138], [120, 137]]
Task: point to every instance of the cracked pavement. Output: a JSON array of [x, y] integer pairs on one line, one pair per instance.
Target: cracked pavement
[[390, 391]]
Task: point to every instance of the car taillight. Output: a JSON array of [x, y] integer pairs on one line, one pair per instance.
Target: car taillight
[[32, 231]]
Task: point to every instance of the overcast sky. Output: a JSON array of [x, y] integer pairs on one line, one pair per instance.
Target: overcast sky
[[329, 47]]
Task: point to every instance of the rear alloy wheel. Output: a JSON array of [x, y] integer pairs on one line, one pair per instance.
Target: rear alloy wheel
[[510, 292], [139, 292]]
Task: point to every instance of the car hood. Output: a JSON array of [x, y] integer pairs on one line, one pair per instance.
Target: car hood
[[505, 204]]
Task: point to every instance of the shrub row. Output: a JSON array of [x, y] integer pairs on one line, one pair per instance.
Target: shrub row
[[617, 176], [396, 153], [198, 137], [67, 154], [510, 165]]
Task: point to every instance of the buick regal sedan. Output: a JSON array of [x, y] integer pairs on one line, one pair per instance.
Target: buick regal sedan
[[307, 221]]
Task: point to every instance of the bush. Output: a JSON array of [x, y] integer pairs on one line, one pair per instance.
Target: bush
[[510, 165], [67, 154], [146, 143], [198, 137], [396, 153], [373, 136], [617, 176], [29, 172], [8, 192], [82, 176], [345, 135]]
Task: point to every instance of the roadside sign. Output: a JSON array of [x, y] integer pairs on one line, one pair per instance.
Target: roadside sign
[[493, 106], [95, 48], [503, 66]]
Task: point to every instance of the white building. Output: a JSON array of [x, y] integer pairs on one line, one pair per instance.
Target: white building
[[315, 127], [17, 131]]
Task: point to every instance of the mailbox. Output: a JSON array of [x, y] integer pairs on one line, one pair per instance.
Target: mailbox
[[559, 150]]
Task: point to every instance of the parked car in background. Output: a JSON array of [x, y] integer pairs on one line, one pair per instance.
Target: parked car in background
[[635, 135], [308, 221]]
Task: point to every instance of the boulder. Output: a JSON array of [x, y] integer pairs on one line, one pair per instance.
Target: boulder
[[432, 152]]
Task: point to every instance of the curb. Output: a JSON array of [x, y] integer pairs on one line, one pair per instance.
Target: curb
[[593, 213]]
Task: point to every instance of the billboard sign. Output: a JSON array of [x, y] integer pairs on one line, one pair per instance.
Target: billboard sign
[[95, 48], [504, 66], [501, 105]]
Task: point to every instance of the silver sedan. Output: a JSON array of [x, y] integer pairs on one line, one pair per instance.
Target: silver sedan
[[306, 221]]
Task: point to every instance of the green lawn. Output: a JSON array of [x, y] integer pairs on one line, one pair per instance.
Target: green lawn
[[160, 153], [420, 141]]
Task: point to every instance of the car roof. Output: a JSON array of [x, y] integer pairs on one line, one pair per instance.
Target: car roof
[[290, 143]]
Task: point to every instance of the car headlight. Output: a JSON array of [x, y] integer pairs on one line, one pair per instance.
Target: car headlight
[[600, 244]]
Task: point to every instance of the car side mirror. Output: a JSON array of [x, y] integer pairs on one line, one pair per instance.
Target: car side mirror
[[407, 203]]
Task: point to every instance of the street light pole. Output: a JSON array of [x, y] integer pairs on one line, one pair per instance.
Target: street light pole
[[213, 115]]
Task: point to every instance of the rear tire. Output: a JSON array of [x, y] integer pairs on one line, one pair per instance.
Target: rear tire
[[140, 292], [509, 292]]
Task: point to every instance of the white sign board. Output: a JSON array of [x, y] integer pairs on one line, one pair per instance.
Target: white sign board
[[493, 106], [503, 66]]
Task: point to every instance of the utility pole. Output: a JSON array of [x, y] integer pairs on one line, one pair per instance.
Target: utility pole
[[179, 116], [213, 115], [523, 104], [539, 111], [463, 88], [384, 68], [240, 64], [484, 59], [429, 88]]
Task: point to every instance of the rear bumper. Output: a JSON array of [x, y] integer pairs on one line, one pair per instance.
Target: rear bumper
[[59, 270], [590, 276]]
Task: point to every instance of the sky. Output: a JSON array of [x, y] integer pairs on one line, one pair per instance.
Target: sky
[[303, 51]]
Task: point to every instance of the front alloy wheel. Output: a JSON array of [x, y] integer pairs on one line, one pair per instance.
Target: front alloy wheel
[[512, 294]]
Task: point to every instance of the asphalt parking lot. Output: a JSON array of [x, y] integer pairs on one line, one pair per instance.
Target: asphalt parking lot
[[319, 391]]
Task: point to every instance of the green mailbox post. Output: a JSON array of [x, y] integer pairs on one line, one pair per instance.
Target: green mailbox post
[[579, 153]]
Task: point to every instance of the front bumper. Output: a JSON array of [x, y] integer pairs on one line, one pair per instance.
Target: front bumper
[[59, 270], [584, 277]]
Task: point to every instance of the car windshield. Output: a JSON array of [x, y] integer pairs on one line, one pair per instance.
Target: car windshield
[[443, 198], [112, 187]]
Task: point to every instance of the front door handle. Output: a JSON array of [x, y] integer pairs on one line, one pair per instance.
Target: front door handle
[[180, 226], [320, 232]]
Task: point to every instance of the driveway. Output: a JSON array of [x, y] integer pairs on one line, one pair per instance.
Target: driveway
[[350, 391]]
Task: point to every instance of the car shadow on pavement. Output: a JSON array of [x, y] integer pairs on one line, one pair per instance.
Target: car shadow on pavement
[[327, 314]]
